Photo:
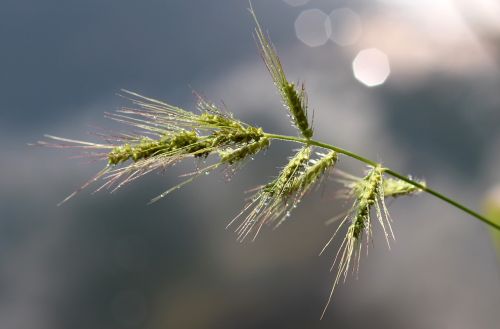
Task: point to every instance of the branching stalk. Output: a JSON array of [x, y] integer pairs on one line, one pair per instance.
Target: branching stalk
[[388, 171]]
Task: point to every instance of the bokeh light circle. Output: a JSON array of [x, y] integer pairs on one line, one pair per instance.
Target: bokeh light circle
[[371, 67], [346, 26], [312, 27], [296, 3]]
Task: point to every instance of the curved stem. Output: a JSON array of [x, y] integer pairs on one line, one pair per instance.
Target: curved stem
[[389, 172]]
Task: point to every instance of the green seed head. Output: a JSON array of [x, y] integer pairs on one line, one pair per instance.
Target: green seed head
[[297, 105], [282, 186], [182, 141], [396, 187], [233, 156], [240, 135], [293, 99], [367, 191], [219, 121], [315, 172]]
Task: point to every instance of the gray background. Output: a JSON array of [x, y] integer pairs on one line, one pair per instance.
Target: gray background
[[110, 261]]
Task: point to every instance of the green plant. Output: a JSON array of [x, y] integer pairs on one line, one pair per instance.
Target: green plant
[[170, 134], [492, 209]]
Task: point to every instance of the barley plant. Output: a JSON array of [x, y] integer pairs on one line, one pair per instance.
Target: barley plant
[[165, 135]]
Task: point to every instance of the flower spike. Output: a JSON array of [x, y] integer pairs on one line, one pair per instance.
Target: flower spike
[[273, 202], [369, 194], [167, 134], [294, 97]]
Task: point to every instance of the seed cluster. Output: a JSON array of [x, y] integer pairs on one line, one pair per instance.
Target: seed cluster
[[188, 141], [315, 172], [266, 205], [296, 103], [396, 188], [232, 156], [274, 201], [283, 184], [294, 99], [367, 193]]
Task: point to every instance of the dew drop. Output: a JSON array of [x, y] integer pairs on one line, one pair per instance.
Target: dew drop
[[207, 173]]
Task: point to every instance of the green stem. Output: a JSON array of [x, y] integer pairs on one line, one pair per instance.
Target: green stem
[[389, 172]]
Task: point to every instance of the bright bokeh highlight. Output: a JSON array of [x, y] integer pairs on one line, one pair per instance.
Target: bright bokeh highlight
[[312, 27], [371, 67]]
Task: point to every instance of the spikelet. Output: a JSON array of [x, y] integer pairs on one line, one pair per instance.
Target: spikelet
[[232, 156], [315, 172], [294, 97], [274, 201], [167, 134], [394, 187], [369, 194], [265, 205]]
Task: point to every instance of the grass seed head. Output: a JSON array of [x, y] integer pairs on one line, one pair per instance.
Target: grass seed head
[[369, 197], [273, 202], [294, 98], [166, 135], [233, 156], [394, 187], [269, 203], [315, 172]]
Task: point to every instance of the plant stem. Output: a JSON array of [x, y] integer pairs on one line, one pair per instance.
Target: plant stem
[[389, 172]]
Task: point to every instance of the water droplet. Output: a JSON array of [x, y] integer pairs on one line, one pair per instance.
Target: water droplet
[[207, 173], [288, 214], [252, 158]]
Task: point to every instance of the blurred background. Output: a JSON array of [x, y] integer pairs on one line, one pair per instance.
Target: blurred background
[[413, 83]]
